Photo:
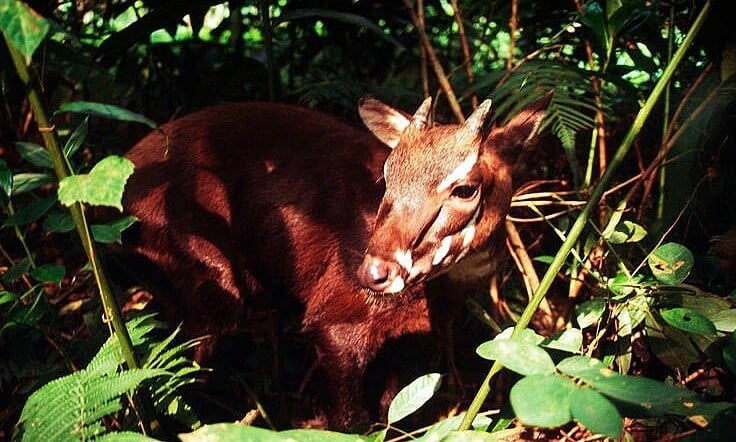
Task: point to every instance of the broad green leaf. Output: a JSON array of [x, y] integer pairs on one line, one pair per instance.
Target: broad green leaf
[[725, 320], [590, 312], [30, 213], [595, 19], [441, 429], [58, 222], [650, 397], [542, 400], [689, 320], [522, 357], [34, 154], [627, 231], [7, 297], [623, 287], [614, 220], [469, 436], [76, 139], [570, 340], [671, 346], [413, 396], [105, 111], [22, 26], [103, 185], [26, 182], [6, 181], [525, 335], [48, 273], [671, 263], [112, 231], [596, 413]]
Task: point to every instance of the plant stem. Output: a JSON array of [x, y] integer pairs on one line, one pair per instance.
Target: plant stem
[[51, 140], [584, 215]]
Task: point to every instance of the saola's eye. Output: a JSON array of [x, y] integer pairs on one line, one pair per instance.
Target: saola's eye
[[464, 191]]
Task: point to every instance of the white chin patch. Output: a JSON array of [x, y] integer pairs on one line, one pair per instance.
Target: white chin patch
[[396, 286]]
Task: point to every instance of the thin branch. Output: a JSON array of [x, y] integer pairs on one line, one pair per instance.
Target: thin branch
[[436, 65], [466, 50]]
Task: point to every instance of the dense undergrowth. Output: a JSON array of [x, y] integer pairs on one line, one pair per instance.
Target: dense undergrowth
[[626, 207]]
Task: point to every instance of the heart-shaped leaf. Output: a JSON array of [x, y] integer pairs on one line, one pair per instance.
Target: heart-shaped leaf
[[102, 186]]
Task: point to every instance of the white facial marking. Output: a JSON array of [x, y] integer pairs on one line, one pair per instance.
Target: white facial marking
[[468, 235], [460, 171], [443, 250], [404, 259], [385, 170], [396, 286]]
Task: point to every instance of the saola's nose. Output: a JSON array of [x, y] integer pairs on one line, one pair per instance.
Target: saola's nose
[[380, 276]]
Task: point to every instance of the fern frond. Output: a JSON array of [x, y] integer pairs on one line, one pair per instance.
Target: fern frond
[[70, 407]]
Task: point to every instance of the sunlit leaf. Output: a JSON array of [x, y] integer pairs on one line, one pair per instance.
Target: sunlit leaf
[[413, 396], [689, 320], [105, 111], [570, 340], [103, 185], [590, 311], [542, 400], [671, 263], [112, 231], [521, 357], [22, 26]]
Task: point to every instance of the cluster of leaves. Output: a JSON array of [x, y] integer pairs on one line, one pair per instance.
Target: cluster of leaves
[[309, 53]]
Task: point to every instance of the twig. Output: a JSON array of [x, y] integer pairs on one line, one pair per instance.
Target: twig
[[466, 50], [436, 65]]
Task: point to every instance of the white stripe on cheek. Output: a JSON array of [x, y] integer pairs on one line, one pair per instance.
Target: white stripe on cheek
[[460, 171], [443, 250]]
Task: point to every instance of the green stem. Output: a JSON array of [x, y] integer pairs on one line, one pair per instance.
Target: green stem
[[51, 140], [592, 203]]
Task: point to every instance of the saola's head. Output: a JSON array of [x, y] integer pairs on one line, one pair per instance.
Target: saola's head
[[448, 189]]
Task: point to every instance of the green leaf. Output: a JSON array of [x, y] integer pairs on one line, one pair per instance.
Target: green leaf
[[689, 320], [18, 269], [671, 263], [542, 400], [105, 111], [590, 312], [614, 220], [627, 231], [544, 259], [650, 397], [413, 396], [124, 436], [522, 357], [76, 139], [725, 320], [22, 26], [103, 185], [112, 231], [570, 340], [34, 154], [30, 213], [26, 182], [226, 432], [596, 412], [58, 222], [48, 273], [729, 353], [6, 181]]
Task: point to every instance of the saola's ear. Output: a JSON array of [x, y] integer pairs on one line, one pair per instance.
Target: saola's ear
[[387, 123], [521, 128]]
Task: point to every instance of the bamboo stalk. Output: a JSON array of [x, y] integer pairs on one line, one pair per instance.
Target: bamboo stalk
[[62, 170]]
